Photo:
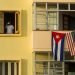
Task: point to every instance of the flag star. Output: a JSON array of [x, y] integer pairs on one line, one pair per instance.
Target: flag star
[[57, 36]]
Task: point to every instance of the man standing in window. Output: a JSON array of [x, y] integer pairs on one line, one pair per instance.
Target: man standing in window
[[9, 28]]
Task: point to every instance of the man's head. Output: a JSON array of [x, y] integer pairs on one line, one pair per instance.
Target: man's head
[[8, 23]]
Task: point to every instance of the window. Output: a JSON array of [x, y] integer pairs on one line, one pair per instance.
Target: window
[[9, 22], [69, 21], [40, 6], [72, 6], [41, 23], [52, 21], [45, 16], [50, 16], [63, 6], [51, 6], [9, 67], [44, 64]]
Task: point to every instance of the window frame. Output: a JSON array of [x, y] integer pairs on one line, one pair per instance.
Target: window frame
[[17, 32]]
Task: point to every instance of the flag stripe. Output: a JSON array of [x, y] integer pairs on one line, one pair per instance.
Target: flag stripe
[[53, 48], [59, 50], [56, 49], [62, 46]]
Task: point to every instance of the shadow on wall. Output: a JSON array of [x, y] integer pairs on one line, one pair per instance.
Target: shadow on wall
[[24, 67], [24, 23]]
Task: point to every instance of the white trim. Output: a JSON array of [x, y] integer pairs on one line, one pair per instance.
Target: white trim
[[9, 68], [15, 68], [3, 68]]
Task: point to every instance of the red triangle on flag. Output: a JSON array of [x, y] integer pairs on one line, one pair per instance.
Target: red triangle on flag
[[57, 36]]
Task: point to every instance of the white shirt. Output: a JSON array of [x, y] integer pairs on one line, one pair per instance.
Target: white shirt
[[9, 29]]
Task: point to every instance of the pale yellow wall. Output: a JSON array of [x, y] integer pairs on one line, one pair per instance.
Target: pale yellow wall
[[19, 47]]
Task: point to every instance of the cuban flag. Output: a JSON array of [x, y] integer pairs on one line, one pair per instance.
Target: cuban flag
[[57, 45]]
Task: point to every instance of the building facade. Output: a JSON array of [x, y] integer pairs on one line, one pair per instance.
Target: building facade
[[49, 16]]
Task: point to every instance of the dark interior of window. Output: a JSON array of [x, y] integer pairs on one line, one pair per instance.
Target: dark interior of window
[[70, 66], [68, 22], [6, 68], [9, 17], [12, 68]]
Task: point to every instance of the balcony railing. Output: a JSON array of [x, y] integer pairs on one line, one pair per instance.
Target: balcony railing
[[42, 40]]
